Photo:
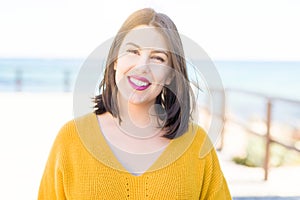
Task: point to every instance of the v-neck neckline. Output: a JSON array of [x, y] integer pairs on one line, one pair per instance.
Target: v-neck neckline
[[89, 131]]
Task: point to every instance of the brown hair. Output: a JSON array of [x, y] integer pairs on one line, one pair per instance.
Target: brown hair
[[176, 98]]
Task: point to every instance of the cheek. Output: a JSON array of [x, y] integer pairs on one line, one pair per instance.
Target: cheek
[[118, 76], [162, 75], [121, 68], [125, 62]]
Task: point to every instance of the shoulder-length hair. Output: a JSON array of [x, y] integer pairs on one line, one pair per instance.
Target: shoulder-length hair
[[176, 99]]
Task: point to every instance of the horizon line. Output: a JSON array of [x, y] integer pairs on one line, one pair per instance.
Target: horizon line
[[214, 60]]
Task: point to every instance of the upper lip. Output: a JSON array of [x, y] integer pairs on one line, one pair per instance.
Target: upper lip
[[140, 78]]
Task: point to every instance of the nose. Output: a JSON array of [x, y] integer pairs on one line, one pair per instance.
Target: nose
[[142, 65]]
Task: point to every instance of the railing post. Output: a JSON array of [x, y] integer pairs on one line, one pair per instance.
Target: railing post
[[18, 80], [66, 81], [221, 142], [268, 139]]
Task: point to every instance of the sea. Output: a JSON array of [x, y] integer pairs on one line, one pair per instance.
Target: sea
[[274, 79]]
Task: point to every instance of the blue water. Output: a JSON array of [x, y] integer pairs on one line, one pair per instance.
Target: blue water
[[58, 75], [271, 78], [279, 79], [38, 75]]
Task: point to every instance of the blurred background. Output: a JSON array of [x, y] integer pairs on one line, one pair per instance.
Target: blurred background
[[254, 45]]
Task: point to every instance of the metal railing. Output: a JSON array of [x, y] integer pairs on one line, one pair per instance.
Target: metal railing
[[19, 81], [268, 116]]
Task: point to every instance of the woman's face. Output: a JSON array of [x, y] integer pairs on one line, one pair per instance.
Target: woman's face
[[143, 66]]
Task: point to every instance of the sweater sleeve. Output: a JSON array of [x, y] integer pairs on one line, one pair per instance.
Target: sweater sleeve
[[51, 185], [215, 186]]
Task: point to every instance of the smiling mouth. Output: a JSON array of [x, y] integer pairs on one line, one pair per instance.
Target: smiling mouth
[[139, 83]]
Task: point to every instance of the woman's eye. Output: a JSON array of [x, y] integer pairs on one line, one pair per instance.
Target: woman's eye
[[158, 58], [133, 51]]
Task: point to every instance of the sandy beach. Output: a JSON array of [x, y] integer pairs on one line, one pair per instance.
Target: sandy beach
[[30, 122]]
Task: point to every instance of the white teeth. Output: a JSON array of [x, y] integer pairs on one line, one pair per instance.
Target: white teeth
[[138, 82]]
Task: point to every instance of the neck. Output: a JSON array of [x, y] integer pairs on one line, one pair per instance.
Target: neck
[[138, 120], [140, 114]]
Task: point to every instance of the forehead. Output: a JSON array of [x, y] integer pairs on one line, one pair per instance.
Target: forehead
[[146, 37]]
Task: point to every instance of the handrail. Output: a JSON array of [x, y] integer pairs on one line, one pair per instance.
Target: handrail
[[259, 94], [19, 80], [267, 134]]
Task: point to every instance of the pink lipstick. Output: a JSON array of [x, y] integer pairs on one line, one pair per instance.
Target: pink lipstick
[[139, 83]]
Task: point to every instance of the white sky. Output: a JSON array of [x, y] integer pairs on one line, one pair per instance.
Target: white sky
[[231, 29]]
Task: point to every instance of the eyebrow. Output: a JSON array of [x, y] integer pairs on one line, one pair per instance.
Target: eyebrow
[[155, 51]]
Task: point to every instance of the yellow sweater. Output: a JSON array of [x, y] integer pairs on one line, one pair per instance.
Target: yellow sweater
[[82, 166]]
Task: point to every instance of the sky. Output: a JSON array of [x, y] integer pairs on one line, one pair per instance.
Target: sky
[[226, 30]]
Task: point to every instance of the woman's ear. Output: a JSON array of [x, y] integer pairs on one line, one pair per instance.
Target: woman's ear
[[169, 78], [115, 65]]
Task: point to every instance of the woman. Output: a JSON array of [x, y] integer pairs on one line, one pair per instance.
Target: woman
[[141, 142]]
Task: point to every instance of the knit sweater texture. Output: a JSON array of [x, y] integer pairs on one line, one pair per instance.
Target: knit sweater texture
[[81, 166]]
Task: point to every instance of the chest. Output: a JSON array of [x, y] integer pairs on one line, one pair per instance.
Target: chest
[[182, 179]]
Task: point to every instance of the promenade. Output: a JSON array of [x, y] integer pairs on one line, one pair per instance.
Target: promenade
[[247, 183]]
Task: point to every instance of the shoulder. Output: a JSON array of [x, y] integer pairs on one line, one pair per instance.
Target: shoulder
[[68, 133], [198, 133], [72, 125], [202, 142]]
